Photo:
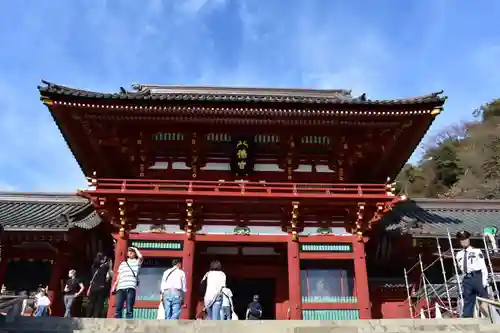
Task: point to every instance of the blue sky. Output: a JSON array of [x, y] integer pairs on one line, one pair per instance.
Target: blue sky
[[386, 48]]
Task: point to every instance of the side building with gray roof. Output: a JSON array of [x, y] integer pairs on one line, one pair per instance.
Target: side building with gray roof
[[415, 227], [43, 235]]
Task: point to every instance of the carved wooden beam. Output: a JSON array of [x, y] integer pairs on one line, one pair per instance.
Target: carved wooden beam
[[194, 159]]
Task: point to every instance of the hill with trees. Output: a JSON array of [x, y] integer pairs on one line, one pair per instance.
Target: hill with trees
[[463, 161]]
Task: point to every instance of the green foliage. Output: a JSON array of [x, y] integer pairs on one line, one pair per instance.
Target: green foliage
[[461, 162]]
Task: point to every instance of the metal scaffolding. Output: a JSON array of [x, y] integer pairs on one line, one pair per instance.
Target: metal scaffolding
[[447, 296]]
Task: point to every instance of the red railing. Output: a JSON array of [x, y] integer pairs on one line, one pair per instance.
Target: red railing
[[247, 189]]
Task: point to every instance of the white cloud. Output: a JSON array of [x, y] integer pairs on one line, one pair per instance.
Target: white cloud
[[101, 45]]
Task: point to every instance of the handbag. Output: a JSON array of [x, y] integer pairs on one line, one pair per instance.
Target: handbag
[[135, 276], [161, 312]]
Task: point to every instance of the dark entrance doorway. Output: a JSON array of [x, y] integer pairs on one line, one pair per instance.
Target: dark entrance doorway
[[243, 291]]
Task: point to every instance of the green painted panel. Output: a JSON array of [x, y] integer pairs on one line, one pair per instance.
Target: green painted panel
[[166, 136], [322, 140], [267, 139], [330, 314], [140, 313], [219, 137], [329, 299], [323, 247], [158, 245]]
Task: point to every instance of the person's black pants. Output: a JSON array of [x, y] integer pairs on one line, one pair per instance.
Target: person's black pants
[[95, 305], [126, 296]]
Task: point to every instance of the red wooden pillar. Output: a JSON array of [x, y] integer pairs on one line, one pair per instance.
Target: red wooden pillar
[[121, 248], [4, 262], [187, 266], [294, 292], [3, 270], [55, 287], [361, 277]]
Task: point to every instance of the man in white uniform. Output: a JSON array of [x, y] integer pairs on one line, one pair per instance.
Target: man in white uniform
[[173, 289], [475, 279]]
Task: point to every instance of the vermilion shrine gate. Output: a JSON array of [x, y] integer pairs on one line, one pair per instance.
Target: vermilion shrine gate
[[278, 184]]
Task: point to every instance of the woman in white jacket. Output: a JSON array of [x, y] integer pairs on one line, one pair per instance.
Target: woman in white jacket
[[216, 280]]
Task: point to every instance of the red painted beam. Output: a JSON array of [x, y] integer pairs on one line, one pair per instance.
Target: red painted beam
[[326, 256], [161, 253], [152, 236], [146, 304], [142, 189], [348, 239], [243, 239]]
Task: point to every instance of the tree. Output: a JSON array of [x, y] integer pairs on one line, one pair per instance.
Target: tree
[[479, 156], [462, 161]]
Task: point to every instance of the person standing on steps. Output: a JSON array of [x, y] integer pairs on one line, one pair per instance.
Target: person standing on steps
[[227, 304], [216, 280], [72, 289], [173, 288], [254, 310], [99, 286], [475, 279], [126, 283]]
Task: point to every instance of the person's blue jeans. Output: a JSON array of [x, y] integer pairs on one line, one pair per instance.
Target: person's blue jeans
[[68, 304], [42, 311], [126, 296], [214, 309], [172, 303], [226, 313]]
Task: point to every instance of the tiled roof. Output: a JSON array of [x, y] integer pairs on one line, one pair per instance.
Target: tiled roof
[[42, 211], [433, 217], [232, 94]]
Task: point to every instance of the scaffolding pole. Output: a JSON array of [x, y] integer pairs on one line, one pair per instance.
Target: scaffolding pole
[[488, 257], [408, 292], [429, 291], [457, 275], [424, 281], [445, 279]]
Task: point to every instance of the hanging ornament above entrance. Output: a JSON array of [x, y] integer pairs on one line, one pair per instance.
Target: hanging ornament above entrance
[[242, 161]]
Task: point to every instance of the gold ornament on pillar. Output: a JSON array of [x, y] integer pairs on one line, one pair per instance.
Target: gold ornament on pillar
[[294, 221], [188, 228], [122, 217], [358, 229]]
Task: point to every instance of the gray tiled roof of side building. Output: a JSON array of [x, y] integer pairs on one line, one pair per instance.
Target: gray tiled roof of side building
[[45, 211], [433, 217]]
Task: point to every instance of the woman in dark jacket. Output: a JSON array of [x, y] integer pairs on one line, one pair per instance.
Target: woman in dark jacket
[[99, 286]]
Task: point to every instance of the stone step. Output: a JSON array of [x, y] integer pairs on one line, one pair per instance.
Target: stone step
[[220, 329], [88, 325]]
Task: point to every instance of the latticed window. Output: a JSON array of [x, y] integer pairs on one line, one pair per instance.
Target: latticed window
[[327, 281]]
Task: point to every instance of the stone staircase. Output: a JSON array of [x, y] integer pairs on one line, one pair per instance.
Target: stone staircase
[[87, 325]]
